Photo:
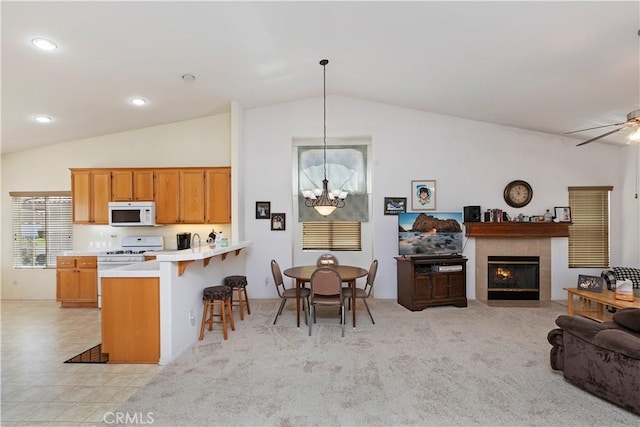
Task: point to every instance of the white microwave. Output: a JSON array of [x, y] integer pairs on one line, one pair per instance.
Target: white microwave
[[132, 214]]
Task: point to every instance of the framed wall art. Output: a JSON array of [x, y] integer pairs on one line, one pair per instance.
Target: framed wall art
[[278, 221], [423, 195], [563, 213], [263, 210], [395, 205]]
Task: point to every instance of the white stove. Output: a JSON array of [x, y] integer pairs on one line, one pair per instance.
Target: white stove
[[132, 250]]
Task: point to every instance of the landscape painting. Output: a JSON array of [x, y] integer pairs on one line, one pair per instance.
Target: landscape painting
[[431, 235]]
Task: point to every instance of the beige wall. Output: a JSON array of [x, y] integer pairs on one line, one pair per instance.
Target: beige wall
[[199, 142]]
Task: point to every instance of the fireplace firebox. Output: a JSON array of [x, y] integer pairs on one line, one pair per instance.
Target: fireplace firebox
[[513, 278]]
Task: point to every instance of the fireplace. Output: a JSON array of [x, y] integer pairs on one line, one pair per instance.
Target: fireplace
[[513, 278]]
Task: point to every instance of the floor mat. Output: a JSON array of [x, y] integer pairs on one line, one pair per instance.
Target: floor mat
[[93, 355]]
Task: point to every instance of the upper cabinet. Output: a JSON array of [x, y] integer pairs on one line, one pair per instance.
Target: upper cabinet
[[182, 195], [218, 196], [132, 185], [91, 193]]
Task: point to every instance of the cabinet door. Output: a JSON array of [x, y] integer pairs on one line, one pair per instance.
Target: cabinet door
[[440, 286], [457, 285], [422, 287], [192, 196], [81, 196], [165, 188], [122, 185], [101, 195], [143, 185], [218, 196], [66, 289], [87, 284]]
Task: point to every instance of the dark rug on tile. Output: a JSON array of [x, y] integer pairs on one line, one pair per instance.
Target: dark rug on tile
[[93, 355]]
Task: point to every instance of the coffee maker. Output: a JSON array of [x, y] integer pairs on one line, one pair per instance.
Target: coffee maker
[[184, 240]]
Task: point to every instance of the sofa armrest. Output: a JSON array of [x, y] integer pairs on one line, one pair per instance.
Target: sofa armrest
[[618, 341], [581, 327]]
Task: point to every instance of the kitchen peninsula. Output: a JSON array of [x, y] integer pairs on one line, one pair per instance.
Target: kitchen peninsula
[[151, 310]]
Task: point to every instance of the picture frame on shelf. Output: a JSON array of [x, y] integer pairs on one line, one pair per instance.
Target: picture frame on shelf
[[562, 213], [590, 283], [278, 221], [263, 210], [423, 195], [395, 205]]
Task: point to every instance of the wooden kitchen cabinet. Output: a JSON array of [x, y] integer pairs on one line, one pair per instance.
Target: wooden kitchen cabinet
[[131, 319], [191, 198], [77, 281], [91, 193], [132, 185], [193, 195], [218, 196], [426, 283], [167, 193]]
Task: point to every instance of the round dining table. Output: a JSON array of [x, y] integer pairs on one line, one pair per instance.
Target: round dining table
[[348, 274]]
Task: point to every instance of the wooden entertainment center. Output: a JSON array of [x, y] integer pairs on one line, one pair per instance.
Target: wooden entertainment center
[[429, 282]]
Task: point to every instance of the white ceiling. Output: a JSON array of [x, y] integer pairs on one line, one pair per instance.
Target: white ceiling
[[547, 66]]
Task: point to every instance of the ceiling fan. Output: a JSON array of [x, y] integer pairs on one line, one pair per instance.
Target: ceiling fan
[[633, 121]]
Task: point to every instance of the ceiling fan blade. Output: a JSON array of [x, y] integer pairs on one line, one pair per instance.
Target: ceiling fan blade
[[602, 136], [596, 127]]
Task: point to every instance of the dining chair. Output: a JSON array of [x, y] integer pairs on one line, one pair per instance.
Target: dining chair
[[365, 292], [285, 293], [327, 259], [326, 289]]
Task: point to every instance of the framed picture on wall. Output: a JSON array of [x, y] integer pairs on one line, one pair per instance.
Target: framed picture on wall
[[263, 210], [395, 205], [423, 195], [278, 221]]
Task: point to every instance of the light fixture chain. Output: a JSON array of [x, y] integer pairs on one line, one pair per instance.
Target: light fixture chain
[[324, 130]]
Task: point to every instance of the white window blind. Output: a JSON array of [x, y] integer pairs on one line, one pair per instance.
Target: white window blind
[[42, 228], [332, 236], [589, 231]]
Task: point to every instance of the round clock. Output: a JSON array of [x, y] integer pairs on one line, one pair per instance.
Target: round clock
[[518, 193]]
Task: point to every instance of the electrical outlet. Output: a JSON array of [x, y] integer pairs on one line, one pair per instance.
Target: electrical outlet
[[266, 281], [192, 317]]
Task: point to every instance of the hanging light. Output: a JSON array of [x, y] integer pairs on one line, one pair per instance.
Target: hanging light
[[323, 200]]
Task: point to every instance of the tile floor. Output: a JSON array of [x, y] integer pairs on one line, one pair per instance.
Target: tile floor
[[37, 388]]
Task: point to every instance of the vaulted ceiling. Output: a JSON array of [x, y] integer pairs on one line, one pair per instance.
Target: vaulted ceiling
[[546, 66]]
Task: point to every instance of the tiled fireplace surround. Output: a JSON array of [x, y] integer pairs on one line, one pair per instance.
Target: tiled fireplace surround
[[495, 246]]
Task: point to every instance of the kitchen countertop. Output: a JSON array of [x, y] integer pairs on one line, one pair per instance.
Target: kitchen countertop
[[201, 252], [138, 269]]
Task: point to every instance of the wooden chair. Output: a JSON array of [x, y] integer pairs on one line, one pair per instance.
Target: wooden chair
[[216, 295], [326, 289]]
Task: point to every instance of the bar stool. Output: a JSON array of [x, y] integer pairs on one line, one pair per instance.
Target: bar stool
[[217, 295], [239, 285]]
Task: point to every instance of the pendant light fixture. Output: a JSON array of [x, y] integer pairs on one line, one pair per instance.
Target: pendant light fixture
[[323, 200]]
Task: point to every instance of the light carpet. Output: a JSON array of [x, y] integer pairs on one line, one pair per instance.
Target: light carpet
[[443, 366]]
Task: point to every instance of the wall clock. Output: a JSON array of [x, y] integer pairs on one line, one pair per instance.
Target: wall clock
[[518, 193]]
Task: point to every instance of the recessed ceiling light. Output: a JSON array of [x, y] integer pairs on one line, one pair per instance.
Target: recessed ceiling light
[[188, 78], [43, 119], [44, 44], [138, 101]]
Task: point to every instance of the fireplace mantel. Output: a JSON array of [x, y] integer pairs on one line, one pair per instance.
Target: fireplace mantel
[[517, 229]]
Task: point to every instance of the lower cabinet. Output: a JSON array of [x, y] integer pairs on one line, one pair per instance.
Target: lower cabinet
[[131, 319], [426, 283], [77, 281]]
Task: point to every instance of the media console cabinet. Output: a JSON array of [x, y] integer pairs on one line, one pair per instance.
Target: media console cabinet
[[431, 282]]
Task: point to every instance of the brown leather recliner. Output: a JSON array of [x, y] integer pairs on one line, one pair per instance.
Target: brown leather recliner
[[601, 358]]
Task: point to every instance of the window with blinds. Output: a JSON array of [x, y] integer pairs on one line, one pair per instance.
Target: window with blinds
[[332, 235], [42, 228], [589, 232]]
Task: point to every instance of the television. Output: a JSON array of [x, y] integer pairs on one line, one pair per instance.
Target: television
[[433, 234]]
